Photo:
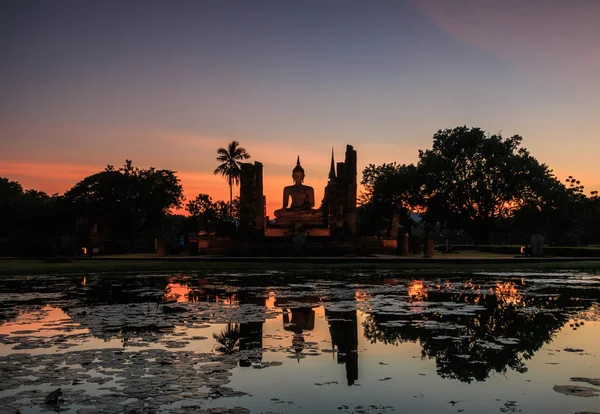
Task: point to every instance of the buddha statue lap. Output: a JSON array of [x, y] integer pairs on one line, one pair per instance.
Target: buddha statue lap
[[302, 201]]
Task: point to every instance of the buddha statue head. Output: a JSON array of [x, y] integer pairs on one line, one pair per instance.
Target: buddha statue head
[[298, 173]]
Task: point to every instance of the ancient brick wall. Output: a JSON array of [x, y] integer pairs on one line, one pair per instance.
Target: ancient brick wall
[[252, 220]]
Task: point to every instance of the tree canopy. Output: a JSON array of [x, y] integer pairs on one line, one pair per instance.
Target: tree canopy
[[126, 202], [389, 189], [31, 220], [468, 179], [477, 183]]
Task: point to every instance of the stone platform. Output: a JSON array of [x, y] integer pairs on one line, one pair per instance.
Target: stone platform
[[299, 219], [281, 231]]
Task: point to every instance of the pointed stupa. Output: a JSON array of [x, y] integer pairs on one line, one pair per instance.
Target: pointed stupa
[[298, 167], [332, 168]]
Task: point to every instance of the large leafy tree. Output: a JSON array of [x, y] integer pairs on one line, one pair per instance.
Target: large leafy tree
[[200, 206], [127, 202], [31, 221], [389, 190], [589, 221], [203, 210], [230, 159], [10, 197], [469, 179], [555, 210]]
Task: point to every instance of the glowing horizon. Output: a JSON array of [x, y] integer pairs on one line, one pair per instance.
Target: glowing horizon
[[170, 83]]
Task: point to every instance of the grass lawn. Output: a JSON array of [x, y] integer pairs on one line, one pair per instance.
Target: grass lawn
[[108, 265]]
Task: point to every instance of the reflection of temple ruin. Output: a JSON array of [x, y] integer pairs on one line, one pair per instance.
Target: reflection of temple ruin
[[251, 333], [299, 319], [302, 319], [344, 336]]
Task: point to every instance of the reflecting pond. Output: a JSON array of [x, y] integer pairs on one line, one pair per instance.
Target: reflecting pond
[[292, 342]]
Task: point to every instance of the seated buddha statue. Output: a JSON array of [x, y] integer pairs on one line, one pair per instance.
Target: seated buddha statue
[[302, 198]]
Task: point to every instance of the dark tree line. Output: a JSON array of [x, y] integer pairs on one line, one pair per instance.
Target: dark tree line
[[30, 221], [213, 217], [126, 206], [117, 210], [486, 187]]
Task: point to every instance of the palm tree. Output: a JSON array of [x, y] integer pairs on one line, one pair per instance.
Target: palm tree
[[230, 168]]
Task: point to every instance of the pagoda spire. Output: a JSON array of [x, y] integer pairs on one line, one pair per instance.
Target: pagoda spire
[[332, 168]]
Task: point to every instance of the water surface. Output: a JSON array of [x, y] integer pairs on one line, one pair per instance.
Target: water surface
[[365, 342]]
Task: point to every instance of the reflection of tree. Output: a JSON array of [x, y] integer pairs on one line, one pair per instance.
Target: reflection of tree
[[229, 339], [110, 289], [470, 346], [128, 333], [118, 307], [344, 336]]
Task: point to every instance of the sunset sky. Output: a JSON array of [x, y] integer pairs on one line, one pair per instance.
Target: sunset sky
[[165, 83]]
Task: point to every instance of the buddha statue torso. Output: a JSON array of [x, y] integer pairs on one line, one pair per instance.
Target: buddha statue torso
[[302, 197]]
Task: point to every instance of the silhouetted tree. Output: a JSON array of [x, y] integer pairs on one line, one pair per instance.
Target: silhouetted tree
[[230, 159], [200, 206], [469, 180], [10, 200], [227, 211], [31, 221], [554, 210], [127, 201], [389, 189], [202, 210]]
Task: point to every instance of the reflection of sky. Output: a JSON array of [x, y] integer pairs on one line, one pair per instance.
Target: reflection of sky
[[170, 82], [413, 382]]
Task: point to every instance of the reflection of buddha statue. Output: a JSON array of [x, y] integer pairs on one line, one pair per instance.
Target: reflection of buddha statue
[[302, 198]]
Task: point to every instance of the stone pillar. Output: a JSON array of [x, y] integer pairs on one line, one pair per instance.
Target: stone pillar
[[415, 244], [394, 231], [537, 245], [337, 202], [403, 245], [161, 246], [259, 198], [429, 248], [264, 210], [351, 189], [252, 208]]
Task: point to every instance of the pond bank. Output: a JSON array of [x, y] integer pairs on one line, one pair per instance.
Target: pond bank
[[18, 266]]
